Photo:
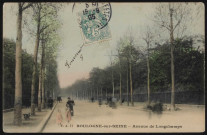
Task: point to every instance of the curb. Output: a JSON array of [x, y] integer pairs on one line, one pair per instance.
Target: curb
[[12, 109], [45, 120], [8, 110]]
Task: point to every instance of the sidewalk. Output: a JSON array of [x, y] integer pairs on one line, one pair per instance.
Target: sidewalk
[[33, 125]]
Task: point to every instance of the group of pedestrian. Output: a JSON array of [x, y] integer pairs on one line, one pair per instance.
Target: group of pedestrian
[[59, 99], [68, 112]]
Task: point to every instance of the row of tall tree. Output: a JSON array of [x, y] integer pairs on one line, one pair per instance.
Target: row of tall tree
[[51, 82], [42, 23], [9, 75], [114, 80], [161, 63]]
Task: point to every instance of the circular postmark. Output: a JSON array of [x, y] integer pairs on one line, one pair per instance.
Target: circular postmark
[[105, 13], [100, 13]]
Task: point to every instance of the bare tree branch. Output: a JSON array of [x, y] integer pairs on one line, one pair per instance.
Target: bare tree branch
[[27, 6]]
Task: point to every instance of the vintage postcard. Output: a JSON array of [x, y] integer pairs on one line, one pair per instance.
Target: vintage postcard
[[103, 67]]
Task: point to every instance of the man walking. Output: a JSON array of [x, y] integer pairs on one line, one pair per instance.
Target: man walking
[[70, 104]]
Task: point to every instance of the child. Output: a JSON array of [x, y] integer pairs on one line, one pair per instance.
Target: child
[[68, 114], [59, 118]]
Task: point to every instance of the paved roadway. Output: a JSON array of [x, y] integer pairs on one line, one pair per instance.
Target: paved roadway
[[90, 117]]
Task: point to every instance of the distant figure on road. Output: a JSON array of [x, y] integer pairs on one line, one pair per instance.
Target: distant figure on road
[[92, 99], [68, 114], [122, 101], [109, 100], [59, 99], [50, 102], [70, 104], [100, 101], [112, 102], [59, 118]]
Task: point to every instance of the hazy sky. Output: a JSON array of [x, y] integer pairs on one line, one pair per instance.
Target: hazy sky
[[124, 16]]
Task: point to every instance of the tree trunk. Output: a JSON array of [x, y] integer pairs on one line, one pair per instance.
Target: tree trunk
[[128, 83], [172, 61], [91, 94], [52, 93], [40, 83], [130, 78], [43, 87], [40, 88], [113, 81], [18, 71], [97, 93], [101, 93], [83, 97], [34, 68], [43, 75], [120, 81], [148, 75]]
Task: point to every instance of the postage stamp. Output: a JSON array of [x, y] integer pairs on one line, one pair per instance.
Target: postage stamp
[[94, 23]]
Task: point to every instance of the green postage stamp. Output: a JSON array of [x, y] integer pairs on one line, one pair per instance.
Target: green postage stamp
[[94, 23]]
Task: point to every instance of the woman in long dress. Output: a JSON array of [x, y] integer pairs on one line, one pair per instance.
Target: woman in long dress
[[59, 118], [68, 114]]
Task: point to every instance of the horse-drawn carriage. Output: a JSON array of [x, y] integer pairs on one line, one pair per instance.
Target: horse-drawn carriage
[[111, 101]]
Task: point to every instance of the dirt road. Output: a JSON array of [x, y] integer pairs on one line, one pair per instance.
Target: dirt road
[[92, 118]]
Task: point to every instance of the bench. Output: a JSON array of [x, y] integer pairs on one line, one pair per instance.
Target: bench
[[26, 116]]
